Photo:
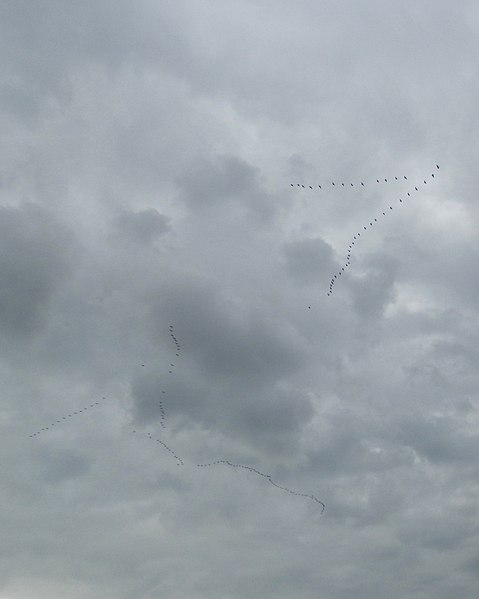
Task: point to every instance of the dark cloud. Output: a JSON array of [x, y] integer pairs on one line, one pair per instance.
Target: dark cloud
[[143, 226], [309, 260], [373, 291], [223, 183], [36, 252]]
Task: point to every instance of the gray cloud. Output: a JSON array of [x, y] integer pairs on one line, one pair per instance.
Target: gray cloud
[[145, 182], [143, 226], [36, 252]]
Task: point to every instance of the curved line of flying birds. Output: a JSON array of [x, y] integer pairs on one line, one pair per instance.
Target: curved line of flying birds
[[372, 222], [267, 476], [179, 460]]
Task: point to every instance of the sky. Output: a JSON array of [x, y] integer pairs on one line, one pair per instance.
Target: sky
[[197, 401]]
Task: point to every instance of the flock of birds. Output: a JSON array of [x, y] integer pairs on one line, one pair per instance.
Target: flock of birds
[[372, 222], [335, 277], [63, 418], [179, 460]]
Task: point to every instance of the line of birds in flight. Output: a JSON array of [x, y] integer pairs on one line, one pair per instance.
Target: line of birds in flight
[[267, 476], [338, 185], [356, 238], [179, 460]]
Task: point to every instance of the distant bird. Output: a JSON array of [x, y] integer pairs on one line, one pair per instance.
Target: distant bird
[[362, 183], [437, 165]]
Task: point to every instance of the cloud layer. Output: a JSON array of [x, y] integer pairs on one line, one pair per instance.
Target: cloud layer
[[164, 300]]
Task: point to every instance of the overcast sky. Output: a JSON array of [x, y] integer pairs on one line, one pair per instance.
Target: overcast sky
[[162, 272]]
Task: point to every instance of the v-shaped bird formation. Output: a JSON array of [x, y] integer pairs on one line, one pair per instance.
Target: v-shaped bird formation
[[372, 222]]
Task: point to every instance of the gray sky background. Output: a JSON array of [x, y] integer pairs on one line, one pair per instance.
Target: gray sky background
[[147, 155]]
